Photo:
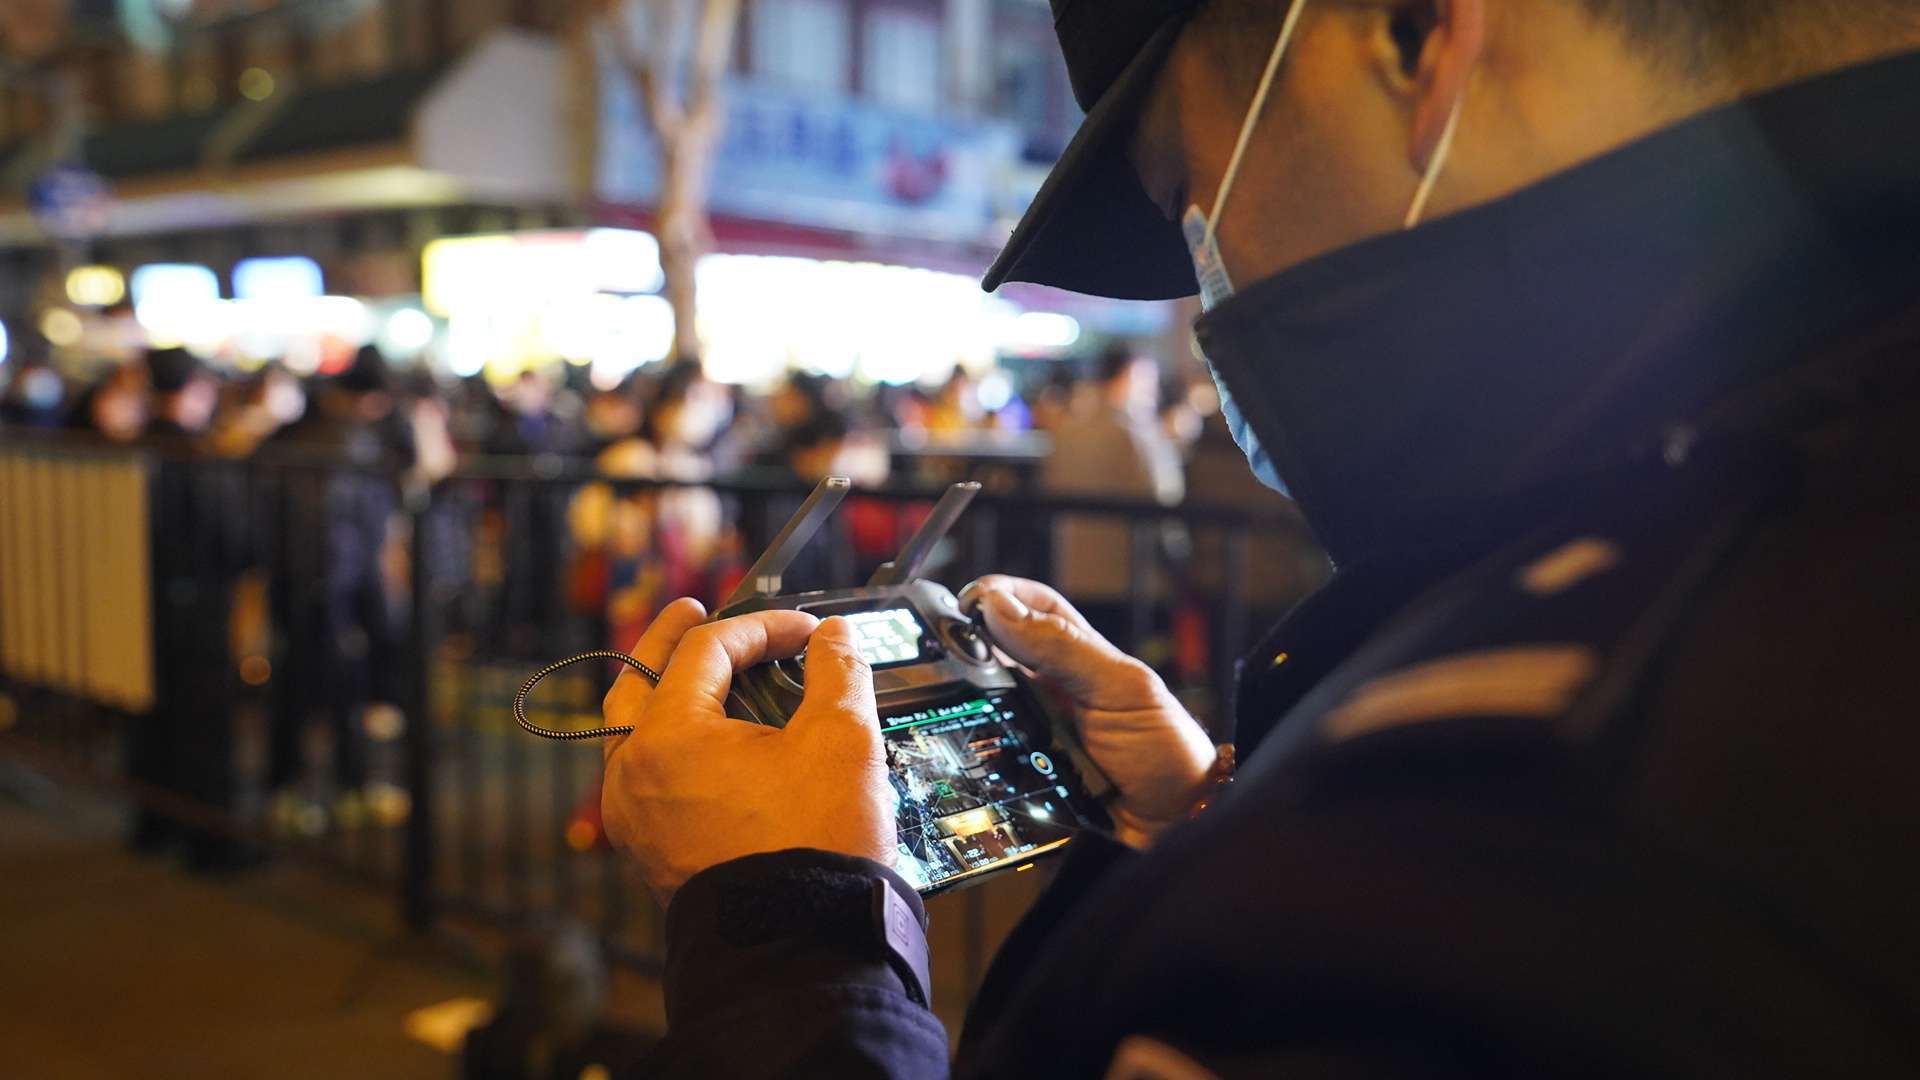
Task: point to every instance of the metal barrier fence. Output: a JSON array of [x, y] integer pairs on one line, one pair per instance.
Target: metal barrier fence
[[330, 654]]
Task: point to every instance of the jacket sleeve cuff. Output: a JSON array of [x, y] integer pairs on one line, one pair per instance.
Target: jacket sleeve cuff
[[790, 920]]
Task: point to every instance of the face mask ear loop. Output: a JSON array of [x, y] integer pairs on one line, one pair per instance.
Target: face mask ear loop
[[1253, 114], [1440, 151]]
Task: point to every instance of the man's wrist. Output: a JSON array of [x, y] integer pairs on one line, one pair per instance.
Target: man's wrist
[[790, 919], [1139, 832]]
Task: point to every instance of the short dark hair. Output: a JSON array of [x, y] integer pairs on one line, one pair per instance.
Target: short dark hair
[[1753, 42], [367, 374], [1113, 362], [171, 369], [824, 427]]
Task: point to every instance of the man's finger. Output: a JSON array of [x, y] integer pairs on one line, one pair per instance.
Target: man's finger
[[696, 680], [839, 683], [655, 647], [1050, 643]]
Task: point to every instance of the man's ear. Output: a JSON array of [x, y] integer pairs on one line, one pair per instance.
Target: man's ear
[[1439, 43]]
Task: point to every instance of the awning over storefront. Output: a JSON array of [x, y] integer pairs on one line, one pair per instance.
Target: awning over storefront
[[485, 128], [149, 147], [319, 119]]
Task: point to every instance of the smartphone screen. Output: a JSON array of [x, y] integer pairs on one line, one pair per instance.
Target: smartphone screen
[[888, 638], [981, 787]]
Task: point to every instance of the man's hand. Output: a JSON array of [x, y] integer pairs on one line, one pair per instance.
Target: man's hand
[[1146, 743], [692, 788]]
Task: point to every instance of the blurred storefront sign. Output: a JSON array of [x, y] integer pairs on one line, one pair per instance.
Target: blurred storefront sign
[[515, 300], [823, 161], [512, 301], [69, 201]]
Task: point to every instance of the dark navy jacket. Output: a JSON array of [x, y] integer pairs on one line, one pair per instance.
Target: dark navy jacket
[[1606, 763]]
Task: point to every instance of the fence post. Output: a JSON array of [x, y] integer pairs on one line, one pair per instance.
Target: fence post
[[417, 870], [1141, 566]]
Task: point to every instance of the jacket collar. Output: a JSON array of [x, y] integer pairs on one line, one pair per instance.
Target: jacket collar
[[1576, 325]]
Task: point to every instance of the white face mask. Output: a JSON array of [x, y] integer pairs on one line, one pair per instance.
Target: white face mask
[[1203, 243]]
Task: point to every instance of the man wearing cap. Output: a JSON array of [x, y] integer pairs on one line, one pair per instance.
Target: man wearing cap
[[1582, 331]]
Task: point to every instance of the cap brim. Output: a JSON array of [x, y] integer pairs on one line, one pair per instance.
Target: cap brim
[[1092, 229]]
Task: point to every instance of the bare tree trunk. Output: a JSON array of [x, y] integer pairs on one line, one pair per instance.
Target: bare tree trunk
[[685, 235], [686, 130]]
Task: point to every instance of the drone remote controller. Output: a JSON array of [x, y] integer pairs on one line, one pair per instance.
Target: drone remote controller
[[987, 778]]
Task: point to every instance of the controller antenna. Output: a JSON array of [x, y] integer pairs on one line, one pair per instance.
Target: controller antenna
[[764, 578], [907, 565]]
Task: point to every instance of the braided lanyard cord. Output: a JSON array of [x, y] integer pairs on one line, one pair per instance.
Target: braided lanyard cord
[[526, 689]]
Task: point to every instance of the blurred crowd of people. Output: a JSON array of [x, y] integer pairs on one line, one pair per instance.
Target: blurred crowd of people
[[665, 419], [315, 574]]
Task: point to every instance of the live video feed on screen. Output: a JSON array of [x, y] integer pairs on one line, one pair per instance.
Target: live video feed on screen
[[975, 792]]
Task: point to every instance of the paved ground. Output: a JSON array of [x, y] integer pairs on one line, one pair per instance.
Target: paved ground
[[119, 966], [116, 965]]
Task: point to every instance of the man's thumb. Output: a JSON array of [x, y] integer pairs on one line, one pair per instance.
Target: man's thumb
[[839, 684]]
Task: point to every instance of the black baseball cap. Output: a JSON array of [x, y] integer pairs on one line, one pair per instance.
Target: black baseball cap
[[1092, 229]]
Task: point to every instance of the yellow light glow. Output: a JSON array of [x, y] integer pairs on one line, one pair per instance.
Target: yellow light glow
[[463, 269], [95, 286], [445, 1026], [581, 835], [61, 328], [256, 84]]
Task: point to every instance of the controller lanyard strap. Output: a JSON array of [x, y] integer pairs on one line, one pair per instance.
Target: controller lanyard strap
[[526, 689]]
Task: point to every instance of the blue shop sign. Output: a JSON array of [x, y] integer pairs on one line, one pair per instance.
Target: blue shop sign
[[809, 160], [69, 201]]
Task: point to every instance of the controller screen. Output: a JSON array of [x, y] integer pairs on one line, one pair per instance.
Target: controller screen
[[976, 792], [887, 637]]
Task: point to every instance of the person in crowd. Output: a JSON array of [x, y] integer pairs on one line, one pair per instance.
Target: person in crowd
[[338, 538], [1583, 333], [800, 398], [474, 414], [817, 448], [532, 423], [1053, 402], [956, 408], [610, 416], [814, 450], [182, 752], [262, 407], [33, 392], [430, 424], [185, 396], [1114, 448], [769, 422], [115, 406], [672, 541], [1181, 419]]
